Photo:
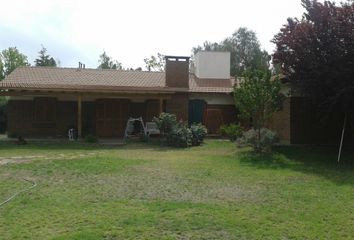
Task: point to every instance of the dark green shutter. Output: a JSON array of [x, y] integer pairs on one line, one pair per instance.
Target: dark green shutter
[[196, 111]]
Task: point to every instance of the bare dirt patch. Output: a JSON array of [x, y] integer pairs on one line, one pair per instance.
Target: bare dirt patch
[[26, 159]]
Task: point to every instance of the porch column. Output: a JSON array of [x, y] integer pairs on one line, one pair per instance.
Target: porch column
[[161, 105], [79, 116]]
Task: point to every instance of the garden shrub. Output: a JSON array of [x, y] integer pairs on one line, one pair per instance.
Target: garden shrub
[[199, 132], [180, 136], [166, 122], [176, 134], [267, 139], [91, 138], [232, 131]]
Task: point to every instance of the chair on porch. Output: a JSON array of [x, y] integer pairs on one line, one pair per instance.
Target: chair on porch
[[151, 129]]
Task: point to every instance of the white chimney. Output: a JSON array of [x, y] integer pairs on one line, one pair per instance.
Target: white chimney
[[212, 65]]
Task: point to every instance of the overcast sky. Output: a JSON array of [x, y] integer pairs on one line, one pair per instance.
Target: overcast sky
[[131, 30]]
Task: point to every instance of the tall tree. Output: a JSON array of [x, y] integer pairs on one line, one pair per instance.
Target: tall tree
[[44, 59], [245, 49], [106, 62], [316, 52], [10, 59], [257, 97], [155, 63]]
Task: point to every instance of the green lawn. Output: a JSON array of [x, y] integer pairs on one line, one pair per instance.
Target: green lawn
[[145, 191]]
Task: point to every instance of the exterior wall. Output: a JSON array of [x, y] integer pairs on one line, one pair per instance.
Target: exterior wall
[[220, 109], [21, 121], [212, 65], [309, 127], [178, 105], [217, 115], [229, 112], [152, 109], [214, 98], [280, 122], [299, 122]]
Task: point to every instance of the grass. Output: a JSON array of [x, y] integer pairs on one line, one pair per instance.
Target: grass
[[145, 191]]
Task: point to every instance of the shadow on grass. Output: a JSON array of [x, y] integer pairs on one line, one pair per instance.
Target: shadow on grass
[[155, 145], [318, 160]]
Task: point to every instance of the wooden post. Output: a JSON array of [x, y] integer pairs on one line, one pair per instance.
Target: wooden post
[[161, 105], [79, 116], [341, 140]]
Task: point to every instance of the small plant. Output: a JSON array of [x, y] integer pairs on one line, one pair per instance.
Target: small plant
[[261, 141], [180, 136], [91, 138], [232, 131], [165, 122], [12, 135], [199, 132]]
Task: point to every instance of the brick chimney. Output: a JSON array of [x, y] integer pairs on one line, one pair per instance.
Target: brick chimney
[[177, 71]]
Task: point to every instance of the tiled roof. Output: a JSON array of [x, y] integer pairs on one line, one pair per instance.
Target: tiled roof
[[210, 85], [37, 78]]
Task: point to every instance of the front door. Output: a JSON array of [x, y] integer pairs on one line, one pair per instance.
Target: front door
[[195, 111], [213, 120], [111, 117]]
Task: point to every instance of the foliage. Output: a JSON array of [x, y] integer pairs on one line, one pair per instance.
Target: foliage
[[155, 63], [179, 136], [257, 97], [316, 53], [44, 59], [233, 131], [3, 101], [165, 122], [10, 59], [90, 138], [245, 49], [262, 144], [106, 62], [199, 132]]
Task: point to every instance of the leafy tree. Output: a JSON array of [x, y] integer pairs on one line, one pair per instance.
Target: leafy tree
[[155, 63], [10, 59], [245, 49], [44, 59], [106, 62], [257, 97], [316, 52]]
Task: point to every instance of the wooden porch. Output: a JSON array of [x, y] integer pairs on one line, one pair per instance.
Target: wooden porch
[[106, 113]]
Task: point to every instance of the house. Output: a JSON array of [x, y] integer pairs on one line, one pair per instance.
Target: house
[[47, 101], [300, 122]]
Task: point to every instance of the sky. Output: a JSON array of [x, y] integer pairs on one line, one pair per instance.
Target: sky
[[131, 30]]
